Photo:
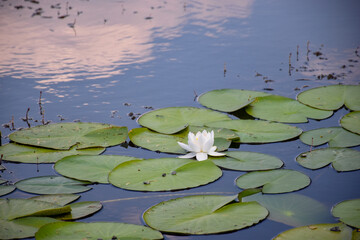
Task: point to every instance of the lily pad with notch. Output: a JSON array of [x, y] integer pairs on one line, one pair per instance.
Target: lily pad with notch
[[81, 210], [283, 109], [229, 100], [348, 211], [154, 141], [332, 97], [65, 135], [351, 122], [342, 159], [52, 185], [28, 154], [90, 168], [274, 181], [334, 136], [292, 209], [95, 230], [204, 214], [247, 161], [174, 119], [258, 131], [163, 174], [328, 231]]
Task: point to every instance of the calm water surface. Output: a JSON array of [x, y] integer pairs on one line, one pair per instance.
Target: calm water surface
[[100, 60]]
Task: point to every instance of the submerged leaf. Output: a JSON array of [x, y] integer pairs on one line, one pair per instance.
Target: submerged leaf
[[335, 136], [332, 97], [95, 230], [274, 181], [52, 185], [163, 174], [229, 100], [283, 109], [203, 214], [174, 119], [27, 154], [65, 135], [342, 159]]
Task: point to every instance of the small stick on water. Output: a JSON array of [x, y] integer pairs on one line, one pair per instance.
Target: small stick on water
[[195, 96], [27, 117], [41, 110], [297, 53], [308, 50], [12, 123], [290, 64], [225, 69], [37, 165]]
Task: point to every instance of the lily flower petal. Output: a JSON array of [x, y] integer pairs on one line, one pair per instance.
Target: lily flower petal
[[201, 156], [189, 155], [185, 146]]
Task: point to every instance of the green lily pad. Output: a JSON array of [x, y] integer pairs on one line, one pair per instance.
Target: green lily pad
[[247, 161], [81, 210], [3, 181], [27, 154], [174, 119], [52, 185], [259, 131], [274, 181], [335, 136], [23, 227], [292, 209], [90, 168], [229, 100], [342, 159], [283, 109], [154, 141], [351, 122], [203, 214], [334, 231], [60, 199], [95, 230], [332, 97], [65, 135], [11, 209], [163, 174], [348, 212], [6, 189]]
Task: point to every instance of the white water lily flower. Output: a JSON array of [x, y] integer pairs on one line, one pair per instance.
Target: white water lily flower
[[200, 145]]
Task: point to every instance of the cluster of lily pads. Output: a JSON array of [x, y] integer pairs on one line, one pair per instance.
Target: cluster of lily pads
[[75, 150]]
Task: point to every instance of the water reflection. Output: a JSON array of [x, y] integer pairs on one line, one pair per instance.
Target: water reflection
[[60, 42]]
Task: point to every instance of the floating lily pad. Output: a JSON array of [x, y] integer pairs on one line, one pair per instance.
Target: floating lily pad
[[203, 214], [163, 174], [23, 227], [60, 199], [6, 189], [342, 159], [81, 210], [292, 209], [95, 230], [332, 97], [229, 100], [335, 136], [90, 168], [11, 209], [52, 185], [174, 119], [248, 161], [348, 212], [351, 122], [27, 154], [154, 141], [259, 131], [65, 135], [283, 109], [274, 181], [335, 231]]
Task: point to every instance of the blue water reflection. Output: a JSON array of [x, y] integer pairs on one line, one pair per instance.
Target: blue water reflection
[[99, 61]]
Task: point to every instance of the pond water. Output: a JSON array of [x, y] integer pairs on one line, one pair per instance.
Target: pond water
[[97, 61]]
